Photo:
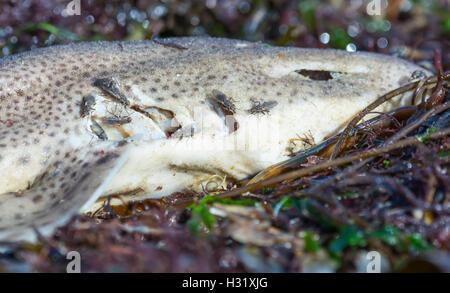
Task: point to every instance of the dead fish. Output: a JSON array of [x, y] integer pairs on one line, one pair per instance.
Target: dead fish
[[68, 170], [111, 87]]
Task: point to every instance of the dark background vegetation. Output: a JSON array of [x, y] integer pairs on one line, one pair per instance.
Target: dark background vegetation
[[274, 231], [403, 25]]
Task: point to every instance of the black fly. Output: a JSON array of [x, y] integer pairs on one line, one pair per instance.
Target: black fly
[[225, 103], [111, 87], [116, 120], [86, 105], [98, 130], [262, 108]]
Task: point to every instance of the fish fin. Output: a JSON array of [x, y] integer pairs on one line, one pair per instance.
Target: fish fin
[[63, 190]]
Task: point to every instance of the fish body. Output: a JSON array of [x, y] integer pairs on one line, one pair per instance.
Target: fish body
[[54, 161]]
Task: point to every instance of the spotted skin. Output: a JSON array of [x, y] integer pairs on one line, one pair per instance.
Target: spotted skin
[[52, 161], [63, 188]]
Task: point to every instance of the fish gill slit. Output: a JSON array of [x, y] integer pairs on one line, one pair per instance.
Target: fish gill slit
[[320, 75]]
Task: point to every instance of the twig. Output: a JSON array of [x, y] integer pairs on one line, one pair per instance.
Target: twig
[[402, 133], [410, 141], [407, 129], [332, 202], [438, 64], [378, 102]]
